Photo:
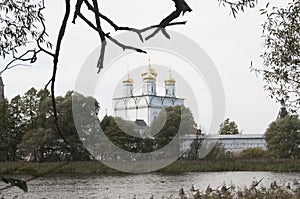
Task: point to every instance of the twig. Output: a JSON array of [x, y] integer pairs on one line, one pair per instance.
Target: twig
[[101, 36], [123, 46], [20, 58]]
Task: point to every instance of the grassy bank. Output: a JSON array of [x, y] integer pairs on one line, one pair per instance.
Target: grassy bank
[[235, 165], [94, 167]]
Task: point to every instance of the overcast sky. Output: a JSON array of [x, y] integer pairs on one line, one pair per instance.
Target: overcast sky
[[230, 43]]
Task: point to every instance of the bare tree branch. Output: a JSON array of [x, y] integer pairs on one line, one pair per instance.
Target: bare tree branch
[[20, 58], [163, 24], [55, 65], [181, 7], [109, 21], [102, 37], [123, 46], [77, 10]]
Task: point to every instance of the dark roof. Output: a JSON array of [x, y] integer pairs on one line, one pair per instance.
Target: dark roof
[[140, 123]]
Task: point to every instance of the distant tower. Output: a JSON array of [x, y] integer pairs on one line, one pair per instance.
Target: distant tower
[[128, 86], [149, 80], [282, 112], [170, 85], [1, 88]]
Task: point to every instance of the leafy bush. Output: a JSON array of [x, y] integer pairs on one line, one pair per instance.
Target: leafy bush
[[252, 153], [219, 153]]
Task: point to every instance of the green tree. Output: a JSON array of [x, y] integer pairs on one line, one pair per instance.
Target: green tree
[[15, 109], [125, 135], [281, 54], [30, 108], [171, 121], [40, 145], [75, 150], [10, 132], [228, 128], [37, 143], [283, 137], [6, 138], [41, 142]]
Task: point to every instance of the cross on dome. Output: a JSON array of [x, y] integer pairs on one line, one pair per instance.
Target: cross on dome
[[129, 80], [149, 73], [170, 79]]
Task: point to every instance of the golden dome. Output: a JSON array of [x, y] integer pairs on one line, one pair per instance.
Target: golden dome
[[128, 80], [149, 73], [170, 79]]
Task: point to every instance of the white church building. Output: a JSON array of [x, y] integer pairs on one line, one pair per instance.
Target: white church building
[[145, 106]]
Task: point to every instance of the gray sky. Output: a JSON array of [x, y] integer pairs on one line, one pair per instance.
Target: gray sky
[[231, 44]]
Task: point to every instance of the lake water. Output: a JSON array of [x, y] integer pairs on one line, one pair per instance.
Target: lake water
[[142, 185]]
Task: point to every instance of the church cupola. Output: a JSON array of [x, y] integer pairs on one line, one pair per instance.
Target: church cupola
[[170, 85], [128, 86], [1, 88], [283, 111], [149, 80]]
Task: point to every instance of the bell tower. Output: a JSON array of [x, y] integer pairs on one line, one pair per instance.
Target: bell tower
[[1, 88]]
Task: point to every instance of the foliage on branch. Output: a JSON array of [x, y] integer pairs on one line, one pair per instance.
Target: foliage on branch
[[237, 6], [20, 24], [281, 55]]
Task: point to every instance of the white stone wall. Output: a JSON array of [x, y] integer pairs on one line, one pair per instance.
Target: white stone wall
[[143, 114], [233, 143], [143, 107]]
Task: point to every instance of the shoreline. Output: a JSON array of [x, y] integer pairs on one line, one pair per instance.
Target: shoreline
[[179, 166]]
